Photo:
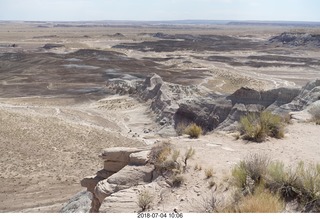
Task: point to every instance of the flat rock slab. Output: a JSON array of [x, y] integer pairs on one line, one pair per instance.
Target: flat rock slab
[[120, 154], [132, 175]]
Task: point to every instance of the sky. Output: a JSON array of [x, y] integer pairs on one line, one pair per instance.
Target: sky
[[159, 10]]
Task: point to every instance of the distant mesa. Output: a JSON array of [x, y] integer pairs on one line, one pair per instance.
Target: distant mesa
[[118, 35], [160, 35], [297, 39], [52, 46]]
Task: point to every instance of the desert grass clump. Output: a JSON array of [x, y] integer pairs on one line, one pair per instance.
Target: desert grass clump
[[302, 183], [193, 130], [256, 128], [261, 202], [282, 180], [145, 199], [208, 173], [309, 178]]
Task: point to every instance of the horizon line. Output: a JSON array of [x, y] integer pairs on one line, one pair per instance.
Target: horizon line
[[172, 20]]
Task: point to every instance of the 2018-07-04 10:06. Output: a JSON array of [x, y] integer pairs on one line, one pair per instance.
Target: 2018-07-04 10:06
[[159, 215]]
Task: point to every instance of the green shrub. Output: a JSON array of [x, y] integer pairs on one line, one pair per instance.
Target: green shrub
[[257, 127], [282, 181], [193, 130], [309, 179]]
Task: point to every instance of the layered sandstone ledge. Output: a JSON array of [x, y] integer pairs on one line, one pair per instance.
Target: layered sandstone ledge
[[123, 168]]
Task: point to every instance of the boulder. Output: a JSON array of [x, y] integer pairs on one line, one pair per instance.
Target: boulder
[[80, 203], [140, 158], [104, 189]]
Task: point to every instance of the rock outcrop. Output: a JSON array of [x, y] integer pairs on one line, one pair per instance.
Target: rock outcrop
[[297, 39], [174, 104], [123, 168]]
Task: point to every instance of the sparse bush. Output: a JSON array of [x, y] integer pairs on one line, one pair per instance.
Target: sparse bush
[[145, 199], [188, 154], [208, 172], [160, 157], [177, 180], [249, 172], [257, 127], [193, 130], [160, 152], [175, 155]]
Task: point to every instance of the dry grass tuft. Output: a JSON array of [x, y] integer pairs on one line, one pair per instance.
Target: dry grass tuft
[[145, 200], [261, 202], [208, 173]]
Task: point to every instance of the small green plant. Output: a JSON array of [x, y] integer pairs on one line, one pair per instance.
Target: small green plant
[[208, 172], [145, 200], [256, 128], [193, 130]]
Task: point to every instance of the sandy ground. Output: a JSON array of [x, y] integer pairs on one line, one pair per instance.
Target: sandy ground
[[48, 149]]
